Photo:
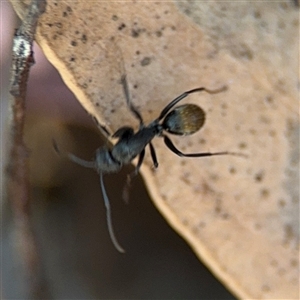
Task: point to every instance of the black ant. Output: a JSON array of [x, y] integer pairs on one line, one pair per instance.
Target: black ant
[[183, 120]]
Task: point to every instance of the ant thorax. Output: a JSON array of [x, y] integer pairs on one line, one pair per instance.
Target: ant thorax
[[131, 144]]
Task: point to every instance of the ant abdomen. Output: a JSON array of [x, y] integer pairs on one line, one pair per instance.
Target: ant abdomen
[[184, 119]]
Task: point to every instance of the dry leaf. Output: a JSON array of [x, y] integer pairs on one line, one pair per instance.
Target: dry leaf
[[241, 216]]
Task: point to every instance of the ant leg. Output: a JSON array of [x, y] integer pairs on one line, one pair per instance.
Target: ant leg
[[132, 108], [124, 83], [171, 146], [126, 187], [108, 217], [140, 161], [185, 94], [153, 155], [102, 128]]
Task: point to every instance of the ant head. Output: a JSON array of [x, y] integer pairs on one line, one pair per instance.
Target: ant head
[[184, 119], [104, 161]]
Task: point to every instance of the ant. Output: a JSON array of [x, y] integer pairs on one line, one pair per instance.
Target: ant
[[182, 120]]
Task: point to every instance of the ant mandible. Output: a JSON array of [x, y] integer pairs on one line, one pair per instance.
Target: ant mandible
[[183, 120]]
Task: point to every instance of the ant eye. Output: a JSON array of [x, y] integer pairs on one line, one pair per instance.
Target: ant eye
[[184, 119]]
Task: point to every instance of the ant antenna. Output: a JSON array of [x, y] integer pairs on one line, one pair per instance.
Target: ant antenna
[[92, 165], [108, 216], [75, 159]]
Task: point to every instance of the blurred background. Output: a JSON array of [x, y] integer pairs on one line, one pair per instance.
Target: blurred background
[[77, 258]]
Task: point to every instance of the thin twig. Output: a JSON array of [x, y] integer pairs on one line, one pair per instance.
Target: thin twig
[[18, 173]]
